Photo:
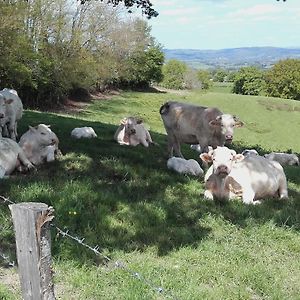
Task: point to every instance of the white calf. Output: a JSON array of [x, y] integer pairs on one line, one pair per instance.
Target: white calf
[[83, 132], [252, 177], [40, 144], [184, 166]]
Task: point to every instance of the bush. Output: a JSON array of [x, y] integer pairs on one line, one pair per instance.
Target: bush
[[249, 81], [173, 74], [283, 80]]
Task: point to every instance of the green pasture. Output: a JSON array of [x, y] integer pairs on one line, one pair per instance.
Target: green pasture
[[154, 221]]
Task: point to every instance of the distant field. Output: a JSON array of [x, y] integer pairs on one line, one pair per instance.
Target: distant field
[[156, 222]]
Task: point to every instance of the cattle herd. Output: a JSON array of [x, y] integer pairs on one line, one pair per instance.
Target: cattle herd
[[248, 175]]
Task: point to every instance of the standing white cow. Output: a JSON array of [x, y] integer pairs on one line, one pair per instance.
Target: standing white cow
[[132, 132], [285, 159], [252, 177], [192, 124], [83, 132], [11, 111], [12, 157], [40, 144]]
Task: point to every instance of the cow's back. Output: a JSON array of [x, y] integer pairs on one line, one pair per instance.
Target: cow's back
[[16, 107]]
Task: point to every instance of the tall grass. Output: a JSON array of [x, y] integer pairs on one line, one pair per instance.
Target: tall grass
[[157, 222]]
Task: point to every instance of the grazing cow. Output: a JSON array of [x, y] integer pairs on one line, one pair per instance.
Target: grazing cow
[[191, 124], [183, 166], [11, 110], [248, 152], [83, 132], [11, 157], [132, 132], [285, 159], [252, 177], [40, 144]]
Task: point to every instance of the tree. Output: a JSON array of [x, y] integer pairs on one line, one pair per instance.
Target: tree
[[220, 75], [205, 78], [249, 81], [145, 5], [283, 80], [173, 72]]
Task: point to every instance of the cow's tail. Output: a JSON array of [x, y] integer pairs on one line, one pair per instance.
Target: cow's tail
[[164, 109]]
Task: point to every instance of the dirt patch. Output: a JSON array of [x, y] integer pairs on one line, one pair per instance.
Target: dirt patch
[[10, 278], [278, 106]]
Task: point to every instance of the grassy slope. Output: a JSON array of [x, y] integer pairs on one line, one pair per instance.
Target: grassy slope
[[157, 222]]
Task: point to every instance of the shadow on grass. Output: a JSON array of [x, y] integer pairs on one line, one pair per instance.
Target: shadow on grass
[[125, 198]]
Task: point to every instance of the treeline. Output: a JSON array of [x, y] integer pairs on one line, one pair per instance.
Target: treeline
[[51, 48], [282, 80]]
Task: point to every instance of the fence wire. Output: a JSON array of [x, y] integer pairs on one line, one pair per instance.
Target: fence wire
[[118, 264]]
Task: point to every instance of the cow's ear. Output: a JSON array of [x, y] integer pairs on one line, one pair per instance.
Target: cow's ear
[[216, 122], [206, 157], [33, 129], [238, 157], [124, 121], [8, 101], [238, 122]]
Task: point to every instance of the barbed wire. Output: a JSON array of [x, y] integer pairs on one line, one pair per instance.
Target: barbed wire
[[96, 251], [117, 264]]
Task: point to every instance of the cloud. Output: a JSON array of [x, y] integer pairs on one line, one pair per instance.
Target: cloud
[[257, 10]]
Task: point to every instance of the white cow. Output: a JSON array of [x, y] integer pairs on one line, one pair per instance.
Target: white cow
[[251, 177], [83, 132], [248, 152], [132, 132], [11, 111], [184, 166], [40, 144], [12, 157], [285, 159], [193, 124]]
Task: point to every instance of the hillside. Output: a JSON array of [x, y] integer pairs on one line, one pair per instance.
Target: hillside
[[232, 58]]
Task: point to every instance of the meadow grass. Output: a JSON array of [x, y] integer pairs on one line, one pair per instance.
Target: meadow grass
[[155, 221]]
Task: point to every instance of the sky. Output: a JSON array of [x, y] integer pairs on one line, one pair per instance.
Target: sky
[[220, 24]]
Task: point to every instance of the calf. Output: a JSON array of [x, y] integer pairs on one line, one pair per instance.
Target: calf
[[251, 177], [192, 124], [132, 132], [11, 111], [83, 132], [183, 166], [11, 157], [285, 159], [40, 144]]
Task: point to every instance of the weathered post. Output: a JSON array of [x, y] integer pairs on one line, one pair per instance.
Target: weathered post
[[33, 241]]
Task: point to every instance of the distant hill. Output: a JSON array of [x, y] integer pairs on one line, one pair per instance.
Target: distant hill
[[233, 58]]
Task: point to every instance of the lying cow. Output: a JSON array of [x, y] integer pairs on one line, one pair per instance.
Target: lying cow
[[191, 124], [132, 132], [248, 152], [251, 177], [40, 144], [83, 132], [12, 157], [285, 159], [11, 111], [183, 166]]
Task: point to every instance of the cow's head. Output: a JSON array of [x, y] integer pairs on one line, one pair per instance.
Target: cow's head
[[43, 135], [222, 159], [225, 123], [3, 104], [130, 124]]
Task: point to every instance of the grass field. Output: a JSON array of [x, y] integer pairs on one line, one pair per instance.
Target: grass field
[[155, 221]]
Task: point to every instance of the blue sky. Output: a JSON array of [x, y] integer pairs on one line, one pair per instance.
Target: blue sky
[[219, 24]]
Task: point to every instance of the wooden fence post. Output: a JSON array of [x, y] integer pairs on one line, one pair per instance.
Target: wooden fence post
[[33, 241]]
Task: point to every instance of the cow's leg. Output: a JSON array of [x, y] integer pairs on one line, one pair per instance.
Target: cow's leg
[[24, 160], [11, 130], [1, 129], [144, 143], [248, 196], [283, 192]]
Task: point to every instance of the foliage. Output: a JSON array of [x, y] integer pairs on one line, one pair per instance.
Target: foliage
[[173, 74], [283, 80], [52, 47], [220, 75], [249, 81], [204, 77]]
